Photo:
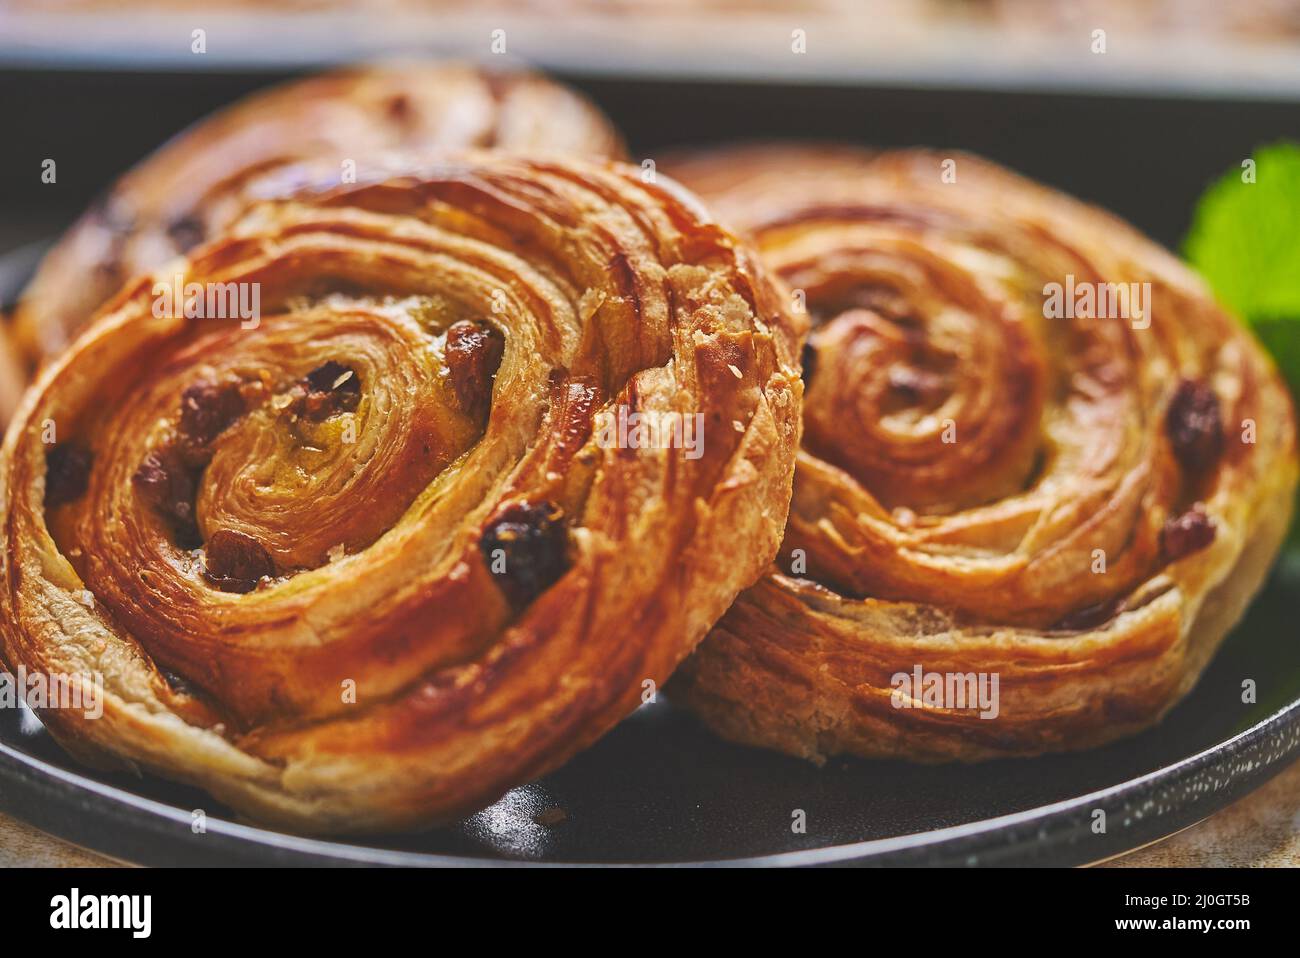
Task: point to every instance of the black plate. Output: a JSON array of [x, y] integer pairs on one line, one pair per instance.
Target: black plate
[[661, 790]]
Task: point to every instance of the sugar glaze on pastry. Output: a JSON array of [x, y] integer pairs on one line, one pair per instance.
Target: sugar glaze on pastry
[[362, 565], [1081, 505]]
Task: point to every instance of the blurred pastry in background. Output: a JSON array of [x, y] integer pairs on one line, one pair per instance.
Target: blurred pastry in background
[[197, 183]]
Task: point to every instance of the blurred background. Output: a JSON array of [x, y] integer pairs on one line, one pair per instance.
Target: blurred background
[[1137, 105]]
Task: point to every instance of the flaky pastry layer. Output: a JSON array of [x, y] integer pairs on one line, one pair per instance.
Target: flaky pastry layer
[[374, 559], [999, 477]]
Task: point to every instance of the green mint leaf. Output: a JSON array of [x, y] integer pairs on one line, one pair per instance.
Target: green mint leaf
[[1245, 241]]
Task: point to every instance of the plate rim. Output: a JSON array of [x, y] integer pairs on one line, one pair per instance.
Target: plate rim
[[37, 780]]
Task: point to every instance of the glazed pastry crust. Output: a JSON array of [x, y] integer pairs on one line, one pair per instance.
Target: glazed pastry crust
[[197, 183], [1036, 544], [12, 376], [605, 291]]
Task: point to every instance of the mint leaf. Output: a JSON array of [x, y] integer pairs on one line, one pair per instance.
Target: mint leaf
[[1245, 241]]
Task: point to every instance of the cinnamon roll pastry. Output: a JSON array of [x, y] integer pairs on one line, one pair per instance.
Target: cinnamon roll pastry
[[379, 553], [196, 184], [1042, 472]]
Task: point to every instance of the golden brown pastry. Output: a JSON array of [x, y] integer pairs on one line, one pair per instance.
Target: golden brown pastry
[[195, 185], [367, 560], [12, 376], [998, 480]]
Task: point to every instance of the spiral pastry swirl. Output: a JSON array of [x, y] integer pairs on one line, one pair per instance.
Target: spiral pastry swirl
[[197, 184], [993, 482], [370, 563]]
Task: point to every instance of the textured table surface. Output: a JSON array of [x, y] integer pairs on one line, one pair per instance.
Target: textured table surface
[[1262, 830]]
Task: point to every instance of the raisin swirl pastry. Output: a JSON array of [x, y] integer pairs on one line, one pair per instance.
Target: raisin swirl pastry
[[196, 184], [370, 563], [1078, 506]]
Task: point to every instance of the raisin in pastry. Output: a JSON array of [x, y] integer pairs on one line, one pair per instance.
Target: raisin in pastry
[[1035, 450], [368, 555]]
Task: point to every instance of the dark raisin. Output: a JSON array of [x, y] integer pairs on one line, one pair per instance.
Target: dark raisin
[[328, 389], [207, 410], [186, 232], [1088, 617], [329, 377], [1195, 426], [67, 473], [398, 108], [1188, 533], [177, 683], [234, 562], [809, 364], [168, 484], [524, 546], [915, 386], [473, 355]]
